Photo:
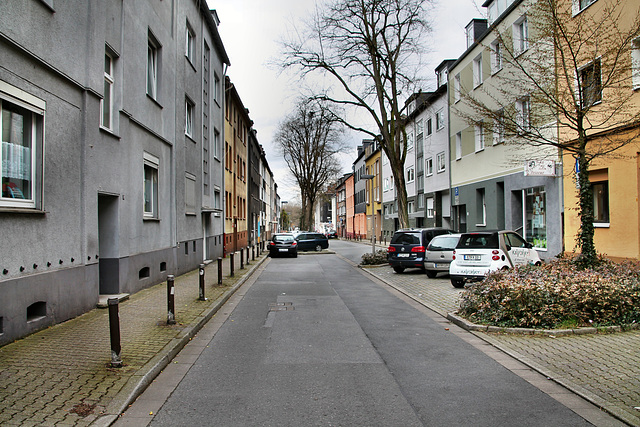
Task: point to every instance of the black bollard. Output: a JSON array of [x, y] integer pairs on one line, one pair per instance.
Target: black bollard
[[232, 255], [171, 313], [201, 272], [114, 329], [219, 271], [253, 253], [241, 259], [247, 255]]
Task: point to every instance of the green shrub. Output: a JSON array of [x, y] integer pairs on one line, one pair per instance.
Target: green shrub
[[380, 257], [556, 294]]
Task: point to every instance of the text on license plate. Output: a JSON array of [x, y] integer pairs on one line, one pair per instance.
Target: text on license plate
[[403, 255], [472, 257], [284, 250]]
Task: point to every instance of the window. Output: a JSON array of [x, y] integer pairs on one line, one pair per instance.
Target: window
[[498, 128], [430, 207], [458, 145], [150, 189], [600, 201], [520, 35], [496, 57], [107, 95], [419, 127], [523, 113], [153, 53], [441, 76], [22, 152], [440, 119], [535, 228], [189, 193], [410, 174], [216, 88], [410, 207], [190, 43], [441, 162], [479, 136], [188, 114], [385, 185], [429, 127], [635, 63], [590, 84], [217, 204], [469, 34], [477, 71], [428, 166], [456, 88], [579, 5], [481, 208], [409, 141], [216, 144]]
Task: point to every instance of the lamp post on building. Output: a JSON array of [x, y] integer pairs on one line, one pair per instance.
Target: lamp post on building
[[373, 214]]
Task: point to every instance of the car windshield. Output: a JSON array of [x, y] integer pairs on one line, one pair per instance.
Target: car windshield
[[405, 239], [283, 238], [478, 241], [444, 242]]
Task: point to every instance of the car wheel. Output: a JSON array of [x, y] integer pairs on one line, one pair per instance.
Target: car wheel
[[398, 269], [457, 283], [318, 248], [431, 274]]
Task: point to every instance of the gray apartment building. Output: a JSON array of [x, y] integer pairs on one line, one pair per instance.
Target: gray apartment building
[[112, 160]]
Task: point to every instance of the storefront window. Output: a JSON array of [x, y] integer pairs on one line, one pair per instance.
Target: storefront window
[[536, 217]]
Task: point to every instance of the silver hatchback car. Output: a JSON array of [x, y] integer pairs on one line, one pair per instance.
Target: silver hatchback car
[[440, 254]]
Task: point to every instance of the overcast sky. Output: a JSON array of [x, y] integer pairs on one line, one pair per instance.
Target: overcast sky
[[250, 31]]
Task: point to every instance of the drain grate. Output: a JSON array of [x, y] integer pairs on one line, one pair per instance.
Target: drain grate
[[281, 306]]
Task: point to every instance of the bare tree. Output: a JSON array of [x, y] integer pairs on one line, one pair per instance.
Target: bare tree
[[371, 49], [309, 140], [573, 73]]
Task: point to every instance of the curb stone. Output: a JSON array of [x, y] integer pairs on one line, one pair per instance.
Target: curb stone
[[145, 375]]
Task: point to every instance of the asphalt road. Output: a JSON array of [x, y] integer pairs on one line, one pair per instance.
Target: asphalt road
[[315, 341]]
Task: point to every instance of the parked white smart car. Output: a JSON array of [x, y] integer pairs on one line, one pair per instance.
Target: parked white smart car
[[478, 253]]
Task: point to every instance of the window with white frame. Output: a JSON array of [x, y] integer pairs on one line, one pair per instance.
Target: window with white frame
[[22, 151], [410, 207], [429, 126], [440, 119], [190, 37], [590, 83], [107, 96], [635, 63], [188, 114], [150, 189], [456, 87], [153, 53], [419, 127], [523, 114], [216, 144], [477, 71], [430, 210], [217, 203], [189, 193], [385, 185], [458, 145], [498, 127], [409, 141], [479, 136], [441, 162], [579, 5], [496, 57], [520, 35], [428, 166], [411, 174]]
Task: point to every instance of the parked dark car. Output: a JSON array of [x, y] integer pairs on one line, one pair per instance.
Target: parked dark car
[[407, 248], [440, 254], [308, 241], [283, 244]]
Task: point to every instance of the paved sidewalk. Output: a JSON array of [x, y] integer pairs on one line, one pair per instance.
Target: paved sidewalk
[[603, 368], [62, 375]]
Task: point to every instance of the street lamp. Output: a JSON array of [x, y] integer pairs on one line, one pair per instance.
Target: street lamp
[[373, 214]]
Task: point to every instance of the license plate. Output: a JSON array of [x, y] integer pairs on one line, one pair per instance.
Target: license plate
[[284, 250], [473, 257], [403, 255]]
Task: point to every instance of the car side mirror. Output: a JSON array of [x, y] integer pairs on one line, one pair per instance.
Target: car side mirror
[[529, 245], [508, 248]]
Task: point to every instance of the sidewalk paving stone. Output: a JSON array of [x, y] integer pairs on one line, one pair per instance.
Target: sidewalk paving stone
[[62, 375]]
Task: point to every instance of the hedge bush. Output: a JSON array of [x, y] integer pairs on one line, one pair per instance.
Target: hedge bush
[[380, 257], [556, 295]]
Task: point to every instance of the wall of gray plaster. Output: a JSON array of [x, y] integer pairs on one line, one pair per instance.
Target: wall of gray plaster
[[507, 213]]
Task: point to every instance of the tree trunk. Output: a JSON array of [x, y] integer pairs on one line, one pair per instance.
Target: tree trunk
[[585, 235]]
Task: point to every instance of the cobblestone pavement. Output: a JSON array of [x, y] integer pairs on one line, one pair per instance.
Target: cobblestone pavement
[[62, 375], [604, 368]]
